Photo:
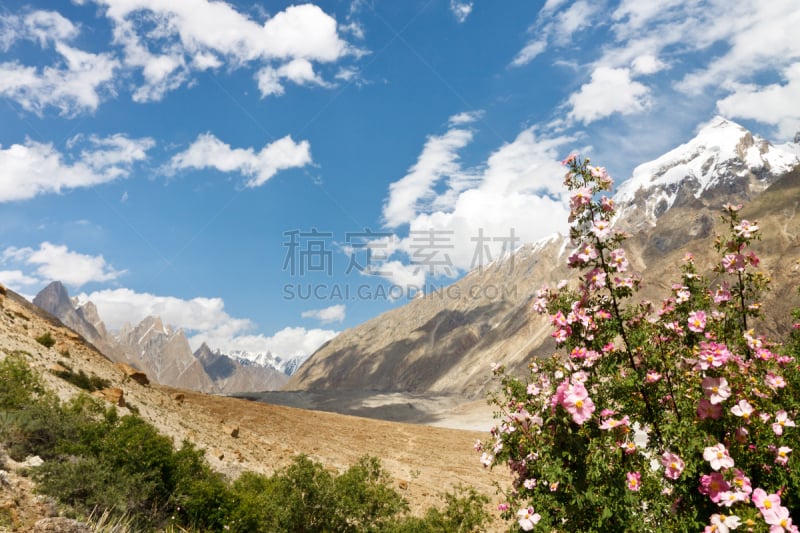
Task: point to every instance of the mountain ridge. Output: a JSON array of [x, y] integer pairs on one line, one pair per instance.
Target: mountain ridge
[[446, 344], [157, 349]]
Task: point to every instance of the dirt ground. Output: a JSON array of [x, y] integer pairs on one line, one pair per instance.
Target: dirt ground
[[238, 435], [423, 460]]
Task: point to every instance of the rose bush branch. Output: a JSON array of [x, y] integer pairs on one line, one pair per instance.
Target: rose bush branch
[[676, 416]]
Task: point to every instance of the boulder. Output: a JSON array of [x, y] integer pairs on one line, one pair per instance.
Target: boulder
[[131, 373], [111, 395]]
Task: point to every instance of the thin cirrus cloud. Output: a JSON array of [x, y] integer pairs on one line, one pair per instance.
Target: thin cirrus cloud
[[207, 151], [33, 168]]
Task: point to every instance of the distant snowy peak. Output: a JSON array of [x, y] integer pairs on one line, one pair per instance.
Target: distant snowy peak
[[286, 365], [722, 154]]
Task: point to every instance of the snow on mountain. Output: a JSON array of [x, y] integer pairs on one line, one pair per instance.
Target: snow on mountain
[[286, 365], [723, 154]]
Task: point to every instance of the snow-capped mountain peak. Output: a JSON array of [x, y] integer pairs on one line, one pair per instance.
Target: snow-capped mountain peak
[[722, 154], [286, 365]]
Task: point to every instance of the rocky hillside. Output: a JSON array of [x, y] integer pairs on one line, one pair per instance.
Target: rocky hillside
[[446, 341], [160, 351], [237, 435]]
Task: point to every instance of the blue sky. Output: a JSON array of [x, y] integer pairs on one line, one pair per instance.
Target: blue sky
[[174, 158]]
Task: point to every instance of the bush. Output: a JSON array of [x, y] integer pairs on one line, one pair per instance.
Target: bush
[[653, 418], [82, 380], [306, 497], [122, 469], [464, 512], [46, 340], [19, 385]]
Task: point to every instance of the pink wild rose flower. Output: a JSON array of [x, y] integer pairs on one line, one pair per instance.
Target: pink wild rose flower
[[716, 390], [673, 465], [633, 481], [718, 457]]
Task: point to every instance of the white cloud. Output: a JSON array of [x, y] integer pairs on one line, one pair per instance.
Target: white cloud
[[647, 64], [209, 152], [402, 274], [576, 17], [16, 279], [286, 343], [531, 51], [32, 168], [461, 9], [167, 41], [205, 319], [49, 26], [40, 26], [518, 189], [120, 306], [53, 262], [466, 117], [76, 84], [557, 27], [775, 104], [298, 71], [717, 44], [739, 26], [439, 159], [115, 151], [610, 91], [327, 315]]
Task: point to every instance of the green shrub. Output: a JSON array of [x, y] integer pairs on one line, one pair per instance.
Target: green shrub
[[121, 468], [82, 380], [464, 512], [46, 340], [19, 385]]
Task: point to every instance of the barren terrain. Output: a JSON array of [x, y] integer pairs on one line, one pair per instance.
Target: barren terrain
[[239, 435]]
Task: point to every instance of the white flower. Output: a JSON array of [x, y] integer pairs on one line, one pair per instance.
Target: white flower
[[725, 523], [527, 518]]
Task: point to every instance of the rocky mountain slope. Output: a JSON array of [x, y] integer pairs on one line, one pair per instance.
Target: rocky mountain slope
[[160, 351], [446, 341], [237, 435]]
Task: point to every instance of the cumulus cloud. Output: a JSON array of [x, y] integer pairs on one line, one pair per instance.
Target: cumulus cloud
[[513, 198], [17, 279], [34, 168], [611, 90], [774, 104], [195, 35], [327, 315], [52, 262], [298, 71], [209, 152], [647, 64], [205, 320], [75, 83], [709, 41]]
